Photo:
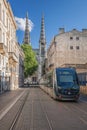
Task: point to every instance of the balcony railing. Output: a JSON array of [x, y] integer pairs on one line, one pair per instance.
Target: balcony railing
[[13, 57], [3, 48]]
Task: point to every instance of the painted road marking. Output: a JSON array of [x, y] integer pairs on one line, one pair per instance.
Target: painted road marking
[[4, 111]]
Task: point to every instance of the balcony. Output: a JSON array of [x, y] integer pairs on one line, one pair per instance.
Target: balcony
[[3, 48], [13, 57]]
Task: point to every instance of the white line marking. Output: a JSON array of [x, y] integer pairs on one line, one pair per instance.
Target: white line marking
[[84, 121], [4, 112]]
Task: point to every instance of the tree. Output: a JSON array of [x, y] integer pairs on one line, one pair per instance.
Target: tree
[[30, 62]]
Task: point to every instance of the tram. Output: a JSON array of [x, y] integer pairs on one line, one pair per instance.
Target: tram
[[61, 83]]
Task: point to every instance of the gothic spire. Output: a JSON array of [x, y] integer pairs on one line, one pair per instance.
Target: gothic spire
[[42, 50], [42, 33], [27, 32]]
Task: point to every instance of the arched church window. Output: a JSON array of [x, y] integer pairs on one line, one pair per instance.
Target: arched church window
[[42, 43]]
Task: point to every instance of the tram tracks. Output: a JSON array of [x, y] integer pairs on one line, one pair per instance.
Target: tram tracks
[[81, 106], [35, 111], [12, 127], [78, 109], [11, 115], [9, 106], [45, 113]]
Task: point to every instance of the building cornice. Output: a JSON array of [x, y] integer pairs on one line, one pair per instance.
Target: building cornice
[[11, 14], [5, 3]]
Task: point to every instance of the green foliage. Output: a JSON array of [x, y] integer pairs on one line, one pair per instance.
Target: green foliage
[[30, 62]]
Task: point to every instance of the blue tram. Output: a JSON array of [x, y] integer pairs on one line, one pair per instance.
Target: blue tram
[[62, 84]]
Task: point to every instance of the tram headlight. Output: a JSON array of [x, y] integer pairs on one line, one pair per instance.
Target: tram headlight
[[75, 87]]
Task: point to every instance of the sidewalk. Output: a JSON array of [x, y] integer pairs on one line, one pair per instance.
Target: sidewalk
[[8, 97]]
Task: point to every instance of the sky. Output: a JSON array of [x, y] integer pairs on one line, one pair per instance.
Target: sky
[[68, 14]]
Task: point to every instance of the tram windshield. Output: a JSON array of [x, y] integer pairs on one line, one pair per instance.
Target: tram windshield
[[66, 78]]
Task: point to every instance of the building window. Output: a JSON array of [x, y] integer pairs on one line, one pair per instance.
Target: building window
[[9, 47], [3, 37], [77, 47], [77, 38], [3, 60], [7, 21], [71, 38], [42, 43], [3, 18], [71, 47]]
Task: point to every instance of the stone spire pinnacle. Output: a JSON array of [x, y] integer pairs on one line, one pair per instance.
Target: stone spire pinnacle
[[42, 33], [42, 50], [27, 32]]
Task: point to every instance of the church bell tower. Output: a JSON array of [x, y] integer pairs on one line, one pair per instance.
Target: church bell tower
[[27, 32], [42, 49]]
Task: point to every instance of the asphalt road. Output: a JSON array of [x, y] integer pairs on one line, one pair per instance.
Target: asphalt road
[[40, 112]]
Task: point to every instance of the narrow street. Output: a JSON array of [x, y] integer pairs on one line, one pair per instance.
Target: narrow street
[[32, 109]]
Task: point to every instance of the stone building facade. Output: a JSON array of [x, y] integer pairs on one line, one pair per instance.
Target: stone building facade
[[9, 49], [67, 49], [21, 67]]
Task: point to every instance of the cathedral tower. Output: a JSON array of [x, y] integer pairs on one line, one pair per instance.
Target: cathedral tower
[[27, 32], [42, 49]]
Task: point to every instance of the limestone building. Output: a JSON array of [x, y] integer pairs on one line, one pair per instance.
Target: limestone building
[[9, 49], [21, 67], [68, 49]]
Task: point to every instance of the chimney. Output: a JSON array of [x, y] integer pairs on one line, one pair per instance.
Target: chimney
[[84, 30], [61, 30]]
